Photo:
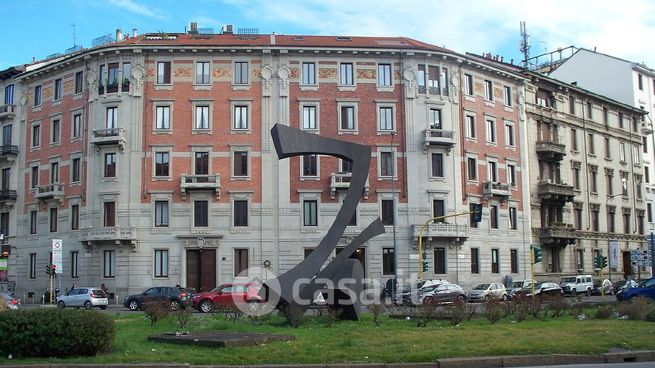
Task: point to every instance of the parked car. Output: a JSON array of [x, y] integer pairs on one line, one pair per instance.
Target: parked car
[[176, 296], [623, 284], [226, 295], [575, 285], [87, 297], [541, 290], [518, 285], [10, 300], [482, 292], [444, 293], [415, 295], [646, 289], [602, 287]]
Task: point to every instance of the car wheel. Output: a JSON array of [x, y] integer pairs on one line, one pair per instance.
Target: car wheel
[[574, 292], [205, 306], [427, 300], [461, 298], [61, 304], [588, 292], [504, 297], [175, 305], [88, 305], [134, 305], [103, 307]]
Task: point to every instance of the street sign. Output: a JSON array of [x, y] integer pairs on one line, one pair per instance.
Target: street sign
[[57, 255]]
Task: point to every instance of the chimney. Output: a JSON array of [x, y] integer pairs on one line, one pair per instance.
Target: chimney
[[193, 28], [273, 38], [227, 29], [134, 34], [119, 35]]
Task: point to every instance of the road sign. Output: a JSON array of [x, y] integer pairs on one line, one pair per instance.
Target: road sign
[[57, 255]]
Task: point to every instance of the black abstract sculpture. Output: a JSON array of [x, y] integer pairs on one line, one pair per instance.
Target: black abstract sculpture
[[290, 142]]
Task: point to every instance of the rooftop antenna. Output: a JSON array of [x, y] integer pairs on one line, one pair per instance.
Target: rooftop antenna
[[525, 45], [73, 25]]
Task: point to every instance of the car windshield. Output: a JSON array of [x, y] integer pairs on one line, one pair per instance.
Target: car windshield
[[568, 279], [539, 285], [517, 284], [98, 293], [481, 287]]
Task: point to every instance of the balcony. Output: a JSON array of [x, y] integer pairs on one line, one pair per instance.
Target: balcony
[[7, 112], [646, 127], [495, 189], [200, 182], [557, 235], [550, 151], [341, 181], [115, 234], [556, 192], [439, 138], [8, 197], [8, 152], [109, 137], [441, 230], [51, 191]]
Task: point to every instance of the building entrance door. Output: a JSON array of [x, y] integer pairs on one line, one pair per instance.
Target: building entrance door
[[201, 269], [627, 265]]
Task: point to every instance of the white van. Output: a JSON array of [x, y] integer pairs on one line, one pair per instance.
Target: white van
[[577, 284]]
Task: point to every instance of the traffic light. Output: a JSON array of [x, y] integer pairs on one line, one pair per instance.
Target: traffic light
[[537, 254], [51, 270], [603, 261], [598, 261], [476, 212], [426, 266]]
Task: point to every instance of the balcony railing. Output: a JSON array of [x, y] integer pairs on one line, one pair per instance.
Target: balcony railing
[[551, 151], [439, 137], [200, 182], [8, 195], [111, 136], [559, 192], [116, 234], [7, 112], [50, 191], [441, 230], [558, 234], [495, 189], [433, 90], [341, 181], [646, 127], [9, 152]]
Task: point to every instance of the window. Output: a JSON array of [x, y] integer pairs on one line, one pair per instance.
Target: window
[[610, 187], [492, 171], [475, 260], [438, 209], [109, 263], [241, 117], [6, 177], [514, 260], [79, 82], [163, 117], [200, 213], [310, 213], [58, 89], [437, 165], [37, 95], [387, 164], [162, 163], [35, 177], [164, 72], [241, 72], [9, 94], [511, 175], [495, 266], [611, 224], [161, 213], [112, 117], [240, 213], [110, 165], [468, 85], [346, 76], [75, 174], [590, 110], [488, 90], [36, 135], [74, 258], [578, 218], [574, 140], [592, 149], [572, 105], [201, 161], [594, 181], [202, 117], [347, 117], [640, 81], [75, 217], [54, 172], [309, 117], [606, 115], [509, 135], [388, 261], [113, 78], [241, 262], [622, 152], [649, 211], [621, 120], [644, 143], [53, 219], [638, 189], [384, 75], [309, 165], [33, 221], [76, 129], [240, 163], [646, 174], [32, 265], [439, 260], [607, 148], [4, 223], [513, 219], [127, 71], [493, 216], [595, 219], [56, 131], [470, 126], [202, 72], [309, 73], [161, 263], [102, 78], [385, 117], [472, 168], [576, 178], [626, 223], [507, 94], [491, 131], [109, 214], [387, 212]]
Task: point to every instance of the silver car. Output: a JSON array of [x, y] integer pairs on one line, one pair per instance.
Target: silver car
[[11, 301], [87, 297], [482, 292]]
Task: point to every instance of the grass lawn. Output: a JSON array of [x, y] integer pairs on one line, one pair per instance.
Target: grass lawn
[[318, 341]]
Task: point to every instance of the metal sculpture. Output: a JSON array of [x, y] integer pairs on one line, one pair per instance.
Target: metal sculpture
[[290, 142]]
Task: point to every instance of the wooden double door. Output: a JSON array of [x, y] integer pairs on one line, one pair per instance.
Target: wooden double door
[[201, 269]]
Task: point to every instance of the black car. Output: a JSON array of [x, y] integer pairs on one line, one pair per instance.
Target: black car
[[541, 290], [178, 297]]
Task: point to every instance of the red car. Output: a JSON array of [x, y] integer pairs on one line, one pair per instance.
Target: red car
[[226, 295]]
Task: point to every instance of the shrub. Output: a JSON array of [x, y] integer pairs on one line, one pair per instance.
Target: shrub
[[577, 305], [493, 309], [3, 305], [182, 316], [55, 333], [156, 310], [637, 309], [603, 312], [376, 310], [460, 311], [520, 307], [557, 305], [425, 313]]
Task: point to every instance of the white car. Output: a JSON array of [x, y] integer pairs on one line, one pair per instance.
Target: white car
[[482, 292], [86, 297]]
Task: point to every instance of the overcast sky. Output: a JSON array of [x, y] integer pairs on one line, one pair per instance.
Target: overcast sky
[[34, 28]]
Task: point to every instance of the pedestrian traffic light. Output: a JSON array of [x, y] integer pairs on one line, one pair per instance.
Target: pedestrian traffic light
[[426, 266], [537, 254], [476, 212], [603, 262]]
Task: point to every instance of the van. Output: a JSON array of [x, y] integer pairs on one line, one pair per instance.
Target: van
[[577, 284]]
